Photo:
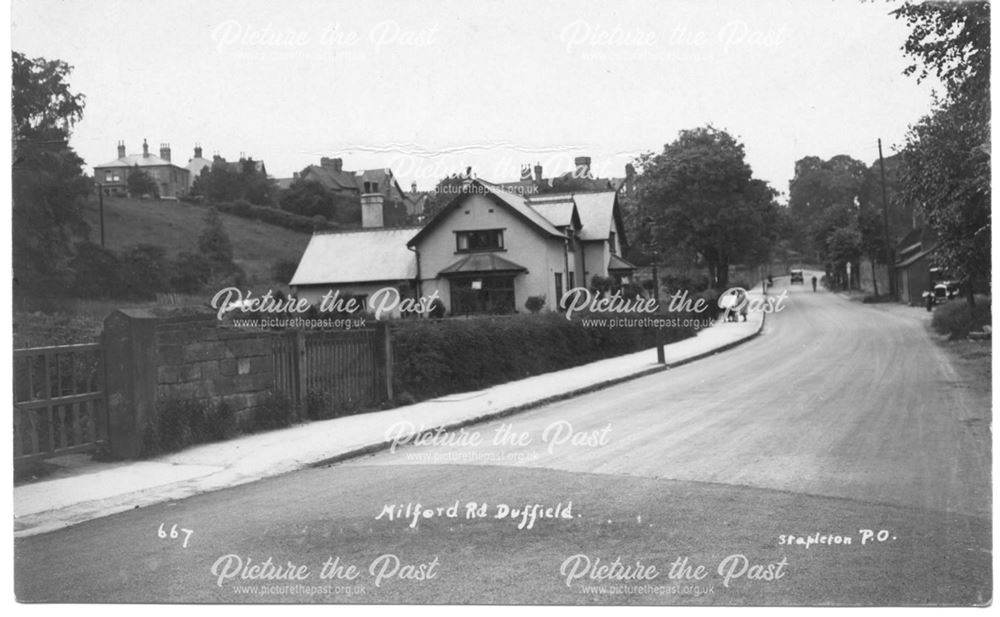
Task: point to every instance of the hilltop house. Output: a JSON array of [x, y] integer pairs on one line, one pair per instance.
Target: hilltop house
[[487, 251], [171, 179]]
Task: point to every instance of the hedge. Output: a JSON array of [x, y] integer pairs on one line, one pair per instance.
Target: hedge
[[435, 357], [957, 319]]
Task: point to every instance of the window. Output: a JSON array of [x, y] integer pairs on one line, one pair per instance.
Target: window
[[559, 289], [371, 187], [108, 176], [479, 240], [612, 244], [482, 294]]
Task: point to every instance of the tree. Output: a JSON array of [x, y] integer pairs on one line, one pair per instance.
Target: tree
[[214, 242], [222, 181], [140, 184], [946, 160], [48, 184], [699, 195], [822, 197]]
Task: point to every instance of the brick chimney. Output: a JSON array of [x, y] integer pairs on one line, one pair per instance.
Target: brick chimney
[[334, 164], [121, 149], [413, 187], [538, 172], [197, 151], [582, 167], [165, 152], [145, 148], [371, 210]]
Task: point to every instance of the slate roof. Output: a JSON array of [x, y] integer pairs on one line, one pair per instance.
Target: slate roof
[[376, 254], [596, 210]]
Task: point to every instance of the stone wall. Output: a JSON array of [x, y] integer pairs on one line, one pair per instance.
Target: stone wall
[[156, 355]]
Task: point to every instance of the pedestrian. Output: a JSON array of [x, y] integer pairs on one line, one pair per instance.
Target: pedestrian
[[814, 283]]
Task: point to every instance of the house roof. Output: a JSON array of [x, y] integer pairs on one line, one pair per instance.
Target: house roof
[[909, 261], [196, 164], [514, 203], [132, 160], [560, 212], [376, 254], [478, 263], [596, 211]]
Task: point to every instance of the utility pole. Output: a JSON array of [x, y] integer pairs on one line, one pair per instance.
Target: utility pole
[[890, 266], [660, 357]]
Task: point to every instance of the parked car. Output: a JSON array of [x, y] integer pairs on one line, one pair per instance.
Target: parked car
[[797, 277], [943, 291]]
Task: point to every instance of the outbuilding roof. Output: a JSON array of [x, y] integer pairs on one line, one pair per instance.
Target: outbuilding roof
[[376, 254]]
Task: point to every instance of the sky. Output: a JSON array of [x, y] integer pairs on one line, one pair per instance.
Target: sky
[[430, 88]]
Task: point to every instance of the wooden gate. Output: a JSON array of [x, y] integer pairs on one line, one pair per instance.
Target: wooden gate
[[59, 405], [335, 372]]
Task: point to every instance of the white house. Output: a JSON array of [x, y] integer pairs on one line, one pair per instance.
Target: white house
[[486, 251]]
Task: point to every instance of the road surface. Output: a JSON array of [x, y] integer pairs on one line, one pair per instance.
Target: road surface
[[840, 458]]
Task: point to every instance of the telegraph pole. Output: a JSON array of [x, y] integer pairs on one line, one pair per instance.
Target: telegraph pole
[[890, 266], [100, 200]]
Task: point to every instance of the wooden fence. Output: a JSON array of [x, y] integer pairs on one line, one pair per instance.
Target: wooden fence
[[337, 372], [59, 404]]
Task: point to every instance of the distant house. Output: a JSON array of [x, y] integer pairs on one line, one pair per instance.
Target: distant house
[[171, 179], [196, 165], [581, 179], [331, 174], [486, 251], [913, 266]]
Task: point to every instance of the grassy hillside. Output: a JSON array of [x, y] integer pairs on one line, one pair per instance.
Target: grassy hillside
[[176, 226]]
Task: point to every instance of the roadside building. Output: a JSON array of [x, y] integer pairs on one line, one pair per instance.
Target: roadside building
[[172, 180]]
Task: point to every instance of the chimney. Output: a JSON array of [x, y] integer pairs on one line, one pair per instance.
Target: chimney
[[413, 187], [334, 164], [165, 152], [145, 148], [582, 167], [538, 172], [197, 151], [121, 149], [295, 175], [525, 172], [371, 210]]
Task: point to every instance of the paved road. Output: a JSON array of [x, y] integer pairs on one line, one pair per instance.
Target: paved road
[[840, 418]]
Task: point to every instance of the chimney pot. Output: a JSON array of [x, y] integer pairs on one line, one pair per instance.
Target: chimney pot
[[582, 166], [165, 152], [121, 149], [145, 148], [538, 172], [197, 151]]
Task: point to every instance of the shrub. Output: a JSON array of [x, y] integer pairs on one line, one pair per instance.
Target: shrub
[[535, 303], [283, 270], [275, 411], [956, 318], [145, 271], [184, 422], [96, 272], [437, 357], [191, 272]]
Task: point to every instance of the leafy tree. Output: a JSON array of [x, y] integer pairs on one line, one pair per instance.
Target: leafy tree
[[946, 160], [48, 183], [700, 195], [311, 198], [222, 181], [843, 246], [214, 242], [139, 183], [144, 271], [96, 272], [191, 272], [821, 197]]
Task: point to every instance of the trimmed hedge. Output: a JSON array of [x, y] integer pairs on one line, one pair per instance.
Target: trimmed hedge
[[438, 357]]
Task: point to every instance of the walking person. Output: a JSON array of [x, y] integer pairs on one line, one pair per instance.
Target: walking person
[[814, 283]]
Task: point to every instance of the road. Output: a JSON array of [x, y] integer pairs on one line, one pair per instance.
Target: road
[[840, 418]]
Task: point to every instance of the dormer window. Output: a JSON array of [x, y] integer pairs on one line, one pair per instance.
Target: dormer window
[[479, 240]]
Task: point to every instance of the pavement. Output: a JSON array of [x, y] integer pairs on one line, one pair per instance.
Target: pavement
[[82, 490]]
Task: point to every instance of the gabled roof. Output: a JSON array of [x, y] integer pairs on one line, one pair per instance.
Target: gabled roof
[[376, 254], [132, 160], [616, 263], [516, 204], [596, 211], [560, 212]]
